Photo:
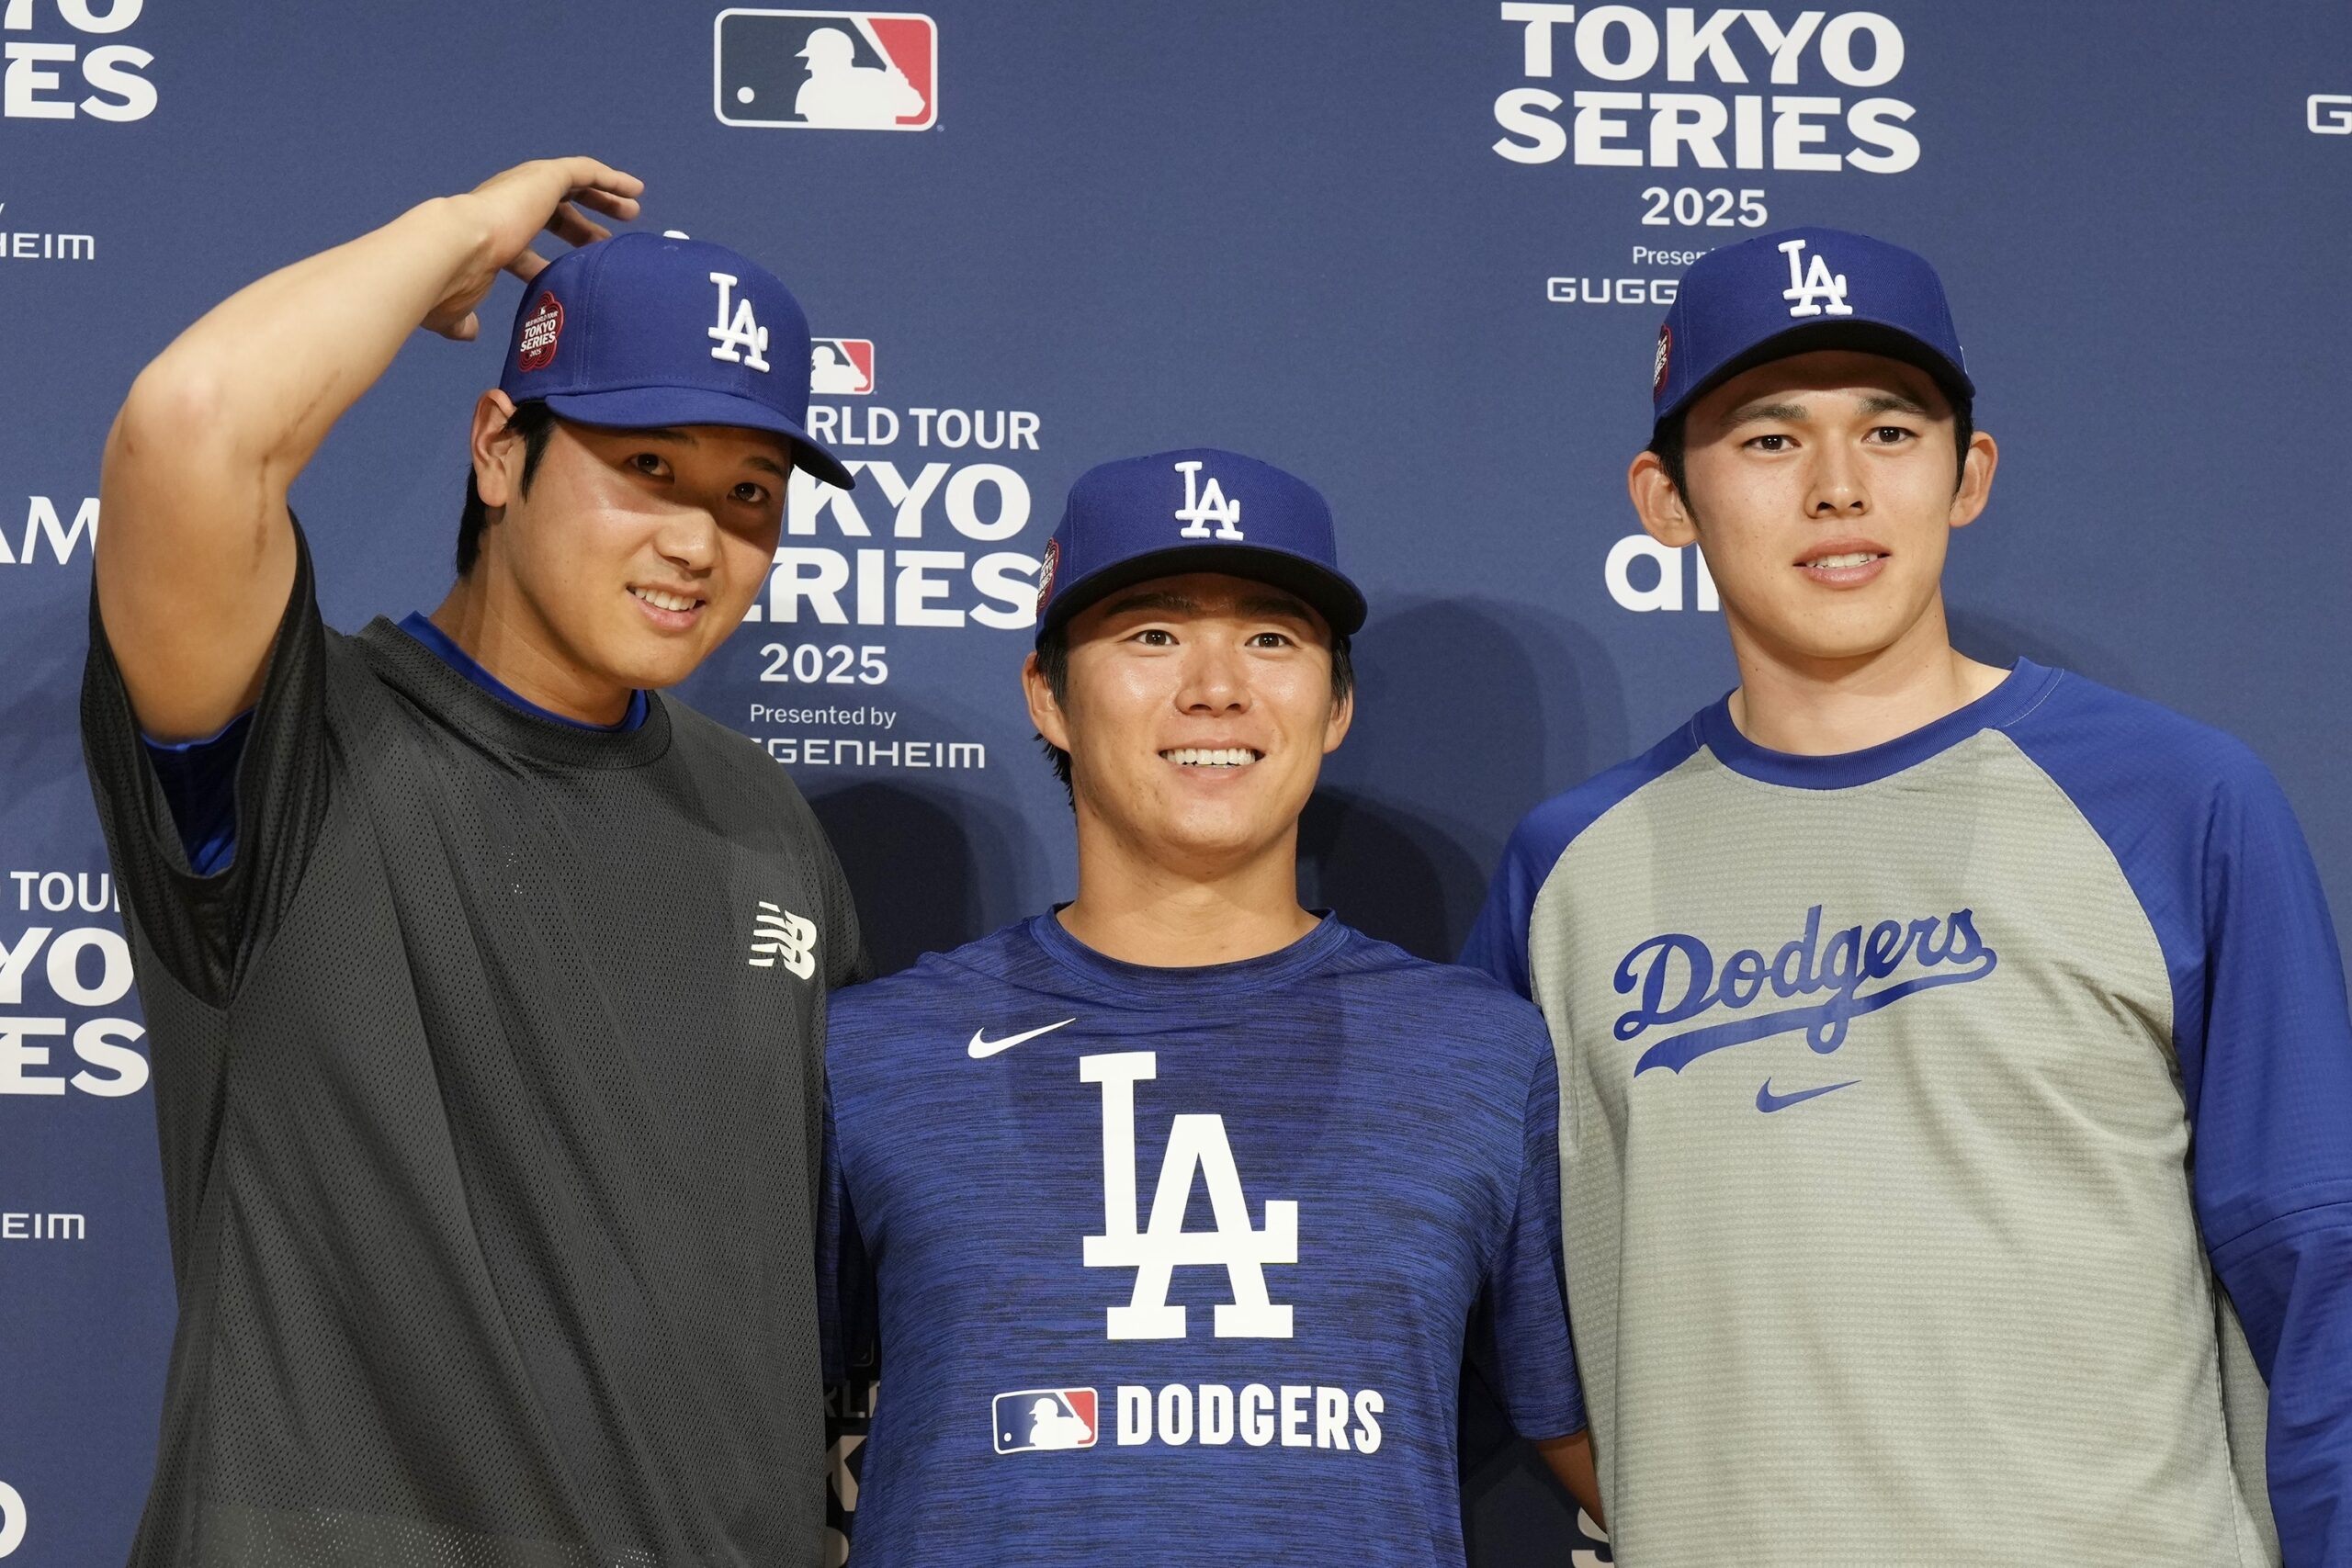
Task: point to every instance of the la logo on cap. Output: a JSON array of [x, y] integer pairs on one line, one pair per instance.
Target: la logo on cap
[[742, 339], [1203, 507], [1815, 290]]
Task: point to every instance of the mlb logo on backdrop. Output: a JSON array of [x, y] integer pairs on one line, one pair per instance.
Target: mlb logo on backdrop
[[1029, 1420], [844, 365], [826, 70]]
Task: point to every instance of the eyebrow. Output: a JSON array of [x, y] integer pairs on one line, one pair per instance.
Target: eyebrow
[[1792, 414], [676, 437], [1161, 601], [1153, 599]]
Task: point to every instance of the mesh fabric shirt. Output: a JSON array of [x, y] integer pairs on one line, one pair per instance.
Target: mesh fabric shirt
[[487, 1081], [1957, 1139], [1181, 1266]]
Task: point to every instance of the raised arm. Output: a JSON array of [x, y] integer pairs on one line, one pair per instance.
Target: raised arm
[[195, 550]]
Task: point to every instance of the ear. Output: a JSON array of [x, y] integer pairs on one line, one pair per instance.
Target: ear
[[497, 451], [1975, 481], [1658, 503], [1045, 713], [1335, 727]]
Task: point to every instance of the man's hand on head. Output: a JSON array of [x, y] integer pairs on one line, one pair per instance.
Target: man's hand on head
[[509, 210]]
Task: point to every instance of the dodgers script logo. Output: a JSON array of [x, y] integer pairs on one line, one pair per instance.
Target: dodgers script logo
[[1678, 980], [1163, 1245], [1815, 290]]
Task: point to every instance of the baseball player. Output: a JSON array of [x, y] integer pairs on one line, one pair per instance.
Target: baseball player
[[1956, 1084], [1230, 1184], [485, 985]]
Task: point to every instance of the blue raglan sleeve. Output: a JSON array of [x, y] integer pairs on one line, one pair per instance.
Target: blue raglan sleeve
[[2270, 1104], [2264, 1042], [1518, 1341], [1497, 944]]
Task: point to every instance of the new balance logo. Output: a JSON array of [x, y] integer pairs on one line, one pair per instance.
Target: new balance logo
[[1814, 289], [741, 340], [1203, 507], [779, 934], [1163, 1245]]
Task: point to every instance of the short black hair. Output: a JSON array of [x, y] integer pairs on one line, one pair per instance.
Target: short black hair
[[534, 422], [1053, 658], [1666, 442]]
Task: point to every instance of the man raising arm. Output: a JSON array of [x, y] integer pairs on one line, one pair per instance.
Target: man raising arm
[[485, 987]]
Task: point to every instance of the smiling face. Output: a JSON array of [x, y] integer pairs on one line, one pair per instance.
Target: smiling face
[[1821, 488], [634, 553], [1197, 711]]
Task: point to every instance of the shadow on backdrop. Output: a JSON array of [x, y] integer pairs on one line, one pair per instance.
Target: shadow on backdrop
[[931, 869], [1490, 708], [1486, 708]]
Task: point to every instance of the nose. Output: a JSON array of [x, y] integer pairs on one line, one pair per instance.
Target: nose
[[1835, 490], [688, 540], [1213, 680]]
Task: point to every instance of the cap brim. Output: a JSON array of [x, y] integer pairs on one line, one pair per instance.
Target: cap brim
[[1336, 599], [646, 407], [1866, 337]]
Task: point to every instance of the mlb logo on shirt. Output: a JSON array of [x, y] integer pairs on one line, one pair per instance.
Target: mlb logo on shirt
[[826, 70], [844, 365], [1031, 1419]]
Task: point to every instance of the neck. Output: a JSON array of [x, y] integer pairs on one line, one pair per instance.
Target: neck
[[1148, 907], [1815, 706], [502, 631]]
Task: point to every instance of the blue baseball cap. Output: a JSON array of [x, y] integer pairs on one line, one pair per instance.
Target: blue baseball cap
[[644, 329], [1798, 290], [1198, 509]]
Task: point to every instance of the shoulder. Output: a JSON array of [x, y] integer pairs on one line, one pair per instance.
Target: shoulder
[[1443, 1000], [941, 987], [1545, 834], [703, 742], [2126, 758]]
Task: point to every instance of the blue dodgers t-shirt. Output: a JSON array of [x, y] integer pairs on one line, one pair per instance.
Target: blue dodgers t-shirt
[[1182, 1265]]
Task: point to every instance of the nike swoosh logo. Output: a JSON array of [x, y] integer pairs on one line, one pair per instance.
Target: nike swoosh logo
[[1768, 1102], [981, 1048]]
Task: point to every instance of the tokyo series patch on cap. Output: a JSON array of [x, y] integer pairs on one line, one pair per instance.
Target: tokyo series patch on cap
[[1197, 509], [1798, 290], [648, 329]]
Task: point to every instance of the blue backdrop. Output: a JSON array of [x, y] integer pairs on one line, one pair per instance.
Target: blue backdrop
[[1415, 251]]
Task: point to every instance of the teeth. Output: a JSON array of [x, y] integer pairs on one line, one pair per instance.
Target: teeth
[[1859, 558], [661, 600], [1202, 757]]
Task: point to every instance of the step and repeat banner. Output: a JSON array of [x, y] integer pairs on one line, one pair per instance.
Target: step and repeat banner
[[1416, 251]]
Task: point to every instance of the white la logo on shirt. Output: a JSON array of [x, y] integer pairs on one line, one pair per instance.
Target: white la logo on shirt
[[1202, 508], [779, 933], [1815, 290], [1164, 1245], [742, 339]]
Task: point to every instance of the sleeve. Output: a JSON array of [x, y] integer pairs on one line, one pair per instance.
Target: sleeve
[[200, 781], [203, 927], [1498, 944], [846, 1318], [847, 963], [1519, 1339], [2269, 1080]]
